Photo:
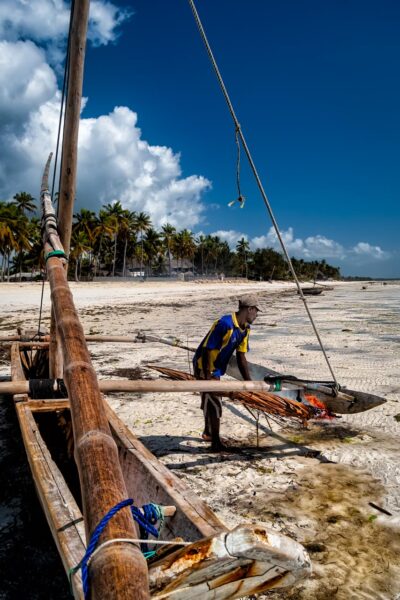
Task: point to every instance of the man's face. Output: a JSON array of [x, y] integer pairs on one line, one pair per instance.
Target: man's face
[[252, 312]]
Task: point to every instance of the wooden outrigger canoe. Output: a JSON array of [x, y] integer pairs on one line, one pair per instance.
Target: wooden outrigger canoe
[[344, 401], [217, 564]]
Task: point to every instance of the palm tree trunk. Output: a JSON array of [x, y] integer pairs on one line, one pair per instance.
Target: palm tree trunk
[[125, 250], [20, 266], [115, 255], [76, 269], [169, 261], [141, 257]]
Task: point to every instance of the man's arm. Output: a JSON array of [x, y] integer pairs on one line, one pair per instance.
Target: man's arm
[[205, 361], [243, 365]]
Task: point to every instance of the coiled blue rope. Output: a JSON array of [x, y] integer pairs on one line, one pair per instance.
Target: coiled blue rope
[[146, 522]]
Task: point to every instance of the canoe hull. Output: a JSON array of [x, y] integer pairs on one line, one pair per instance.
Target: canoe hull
[[218, 564]]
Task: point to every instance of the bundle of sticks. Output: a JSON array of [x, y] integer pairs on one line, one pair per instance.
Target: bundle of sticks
[[263, 401]]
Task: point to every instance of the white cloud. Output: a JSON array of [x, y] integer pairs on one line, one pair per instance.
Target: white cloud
[[48, 20], [26, 82], [316, 247], [115, 162], [231, 236], [365, 250]]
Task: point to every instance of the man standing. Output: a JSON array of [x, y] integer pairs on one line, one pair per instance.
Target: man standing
[[229, 333]]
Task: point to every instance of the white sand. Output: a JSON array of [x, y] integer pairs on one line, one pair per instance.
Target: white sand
[[323, 505]]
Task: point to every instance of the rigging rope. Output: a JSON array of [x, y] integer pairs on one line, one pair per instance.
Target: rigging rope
[[64, 98], [259, 183]]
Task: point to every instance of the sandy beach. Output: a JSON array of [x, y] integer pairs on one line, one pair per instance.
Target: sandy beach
[[314, 484]]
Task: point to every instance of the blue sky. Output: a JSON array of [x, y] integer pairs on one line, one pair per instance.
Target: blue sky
[[316, 89]]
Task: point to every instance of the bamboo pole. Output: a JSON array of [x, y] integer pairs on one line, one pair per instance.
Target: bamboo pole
[[146, 386]]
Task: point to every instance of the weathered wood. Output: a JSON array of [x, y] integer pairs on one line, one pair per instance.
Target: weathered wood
[[247, 560], [62, 513], [69, 164], [145, 386], [102, 485], [148, 480]]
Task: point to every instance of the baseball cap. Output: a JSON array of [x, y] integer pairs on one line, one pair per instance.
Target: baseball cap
[[249, 300]]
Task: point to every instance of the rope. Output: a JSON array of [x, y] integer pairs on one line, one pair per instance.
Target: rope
[[59, 253], [259, 183], [146, 522], [64, 95], [40, 310]]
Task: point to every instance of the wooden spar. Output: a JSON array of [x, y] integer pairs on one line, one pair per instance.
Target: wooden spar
[[69, 156], [117, 571], [77, 47], [158, 385]]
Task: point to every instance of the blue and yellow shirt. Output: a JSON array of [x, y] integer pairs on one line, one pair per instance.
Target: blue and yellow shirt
[[224, 337]]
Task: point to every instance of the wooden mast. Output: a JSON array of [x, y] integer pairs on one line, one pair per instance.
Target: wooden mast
[[118, 571], [68, 173]]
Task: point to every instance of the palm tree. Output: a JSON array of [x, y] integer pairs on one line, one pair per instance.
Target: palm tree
[[79, 244], [242, 249], [167, 233], [153, 245], [8, 221], [104, 228], [201, 240], [142, 223], [24, 202], [115, 212]]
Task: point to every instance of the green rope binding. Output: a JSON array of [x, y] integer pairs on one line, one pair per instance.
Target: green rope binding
[[59, 253]]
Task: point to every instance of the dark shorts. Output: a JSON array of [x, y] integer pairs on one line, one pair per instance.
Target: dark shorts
[[206, 397]]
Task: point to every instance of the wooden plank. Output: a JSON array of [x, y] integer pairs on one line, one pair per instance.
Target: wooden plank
[[62, 513], [48, 405]]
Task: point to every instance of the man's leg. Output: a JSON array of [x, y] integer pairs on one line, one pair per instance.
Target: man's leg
[[206, 435], [212, 415]]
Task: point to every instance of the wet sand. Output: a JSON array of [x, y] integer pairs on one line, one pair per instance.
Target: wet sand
[[314, 484]]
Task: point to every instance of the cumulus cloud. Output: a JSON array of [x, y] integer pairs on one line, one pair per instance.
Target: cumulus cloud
[[230, 236], [48, 20], [115, 162], [316, 247], [365, 250]]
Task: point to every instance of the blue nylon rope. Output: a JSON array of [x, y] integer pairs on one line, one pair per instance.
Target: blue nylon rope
[[146, 522]]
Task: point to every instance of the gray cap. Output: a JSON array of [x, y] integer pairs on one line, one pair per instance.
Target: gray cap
[[249, 300]]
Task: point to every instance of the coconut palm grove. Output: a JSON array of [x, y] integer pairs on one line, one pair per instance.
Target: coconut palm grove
[[119, 243]]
